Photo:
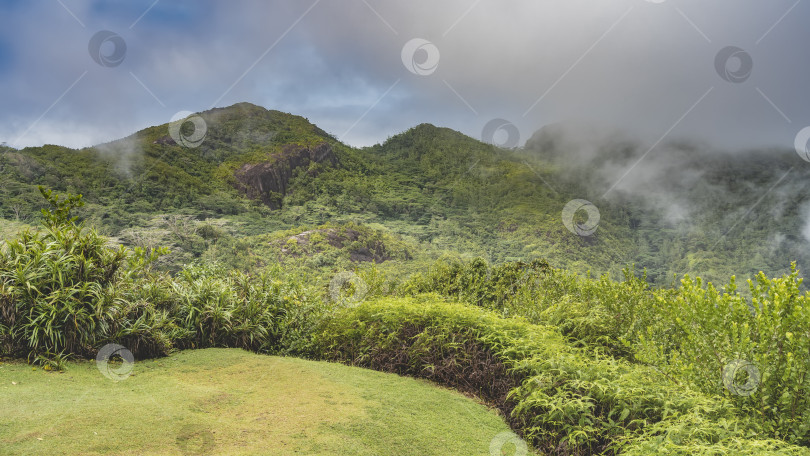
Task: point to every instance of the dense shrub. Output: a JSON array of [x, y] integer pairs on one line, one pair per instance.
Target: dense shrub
[[598, 313], [65, 292], [754, 351], [563, 400], [227, 308], [694, 334]]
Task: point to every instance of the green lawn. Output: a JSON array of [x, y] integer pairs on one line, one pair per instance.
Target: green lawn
[[228, 401]]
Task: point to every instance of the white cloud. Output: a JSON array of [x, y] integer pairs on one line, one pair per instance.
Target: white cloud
[[630, 63]]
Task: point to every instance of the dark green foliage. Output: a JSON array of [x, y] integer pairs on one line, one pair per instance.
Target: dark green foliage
[[65, 292], [563, 400], [694, 335], [476, 282], [62, 290]]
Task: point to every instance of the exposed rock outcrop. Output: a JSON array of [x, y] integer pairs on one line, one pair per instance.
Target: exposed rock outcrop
[[164, 141], [268, 181]]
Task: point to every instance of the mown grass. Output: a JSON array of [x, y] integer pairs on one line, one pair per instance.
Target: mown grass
[[229, 401]]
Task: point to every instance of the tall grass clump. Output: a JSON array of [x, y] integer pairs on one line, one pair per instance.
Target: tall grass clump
[[63, 290], [265, 312]]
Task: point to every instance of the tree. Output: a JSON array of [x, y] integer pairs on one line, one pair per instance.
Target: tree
[[182, 226], [16, 209], [59, 213]]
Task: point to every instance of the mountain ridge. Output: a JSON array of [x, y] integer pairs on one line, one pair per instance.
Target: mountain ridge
[[444, 191]]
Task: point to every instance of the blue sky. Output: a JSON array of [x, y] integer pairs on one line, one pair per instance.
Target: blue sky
[[647, 67]]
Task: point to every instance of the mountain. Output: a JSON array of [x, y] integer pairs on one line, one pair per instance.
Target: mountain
[[690, 208], [261, 179]]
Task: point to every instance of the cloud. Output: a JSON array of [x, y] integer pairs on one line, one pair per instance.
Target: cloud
[[122, 153], [645, 67]]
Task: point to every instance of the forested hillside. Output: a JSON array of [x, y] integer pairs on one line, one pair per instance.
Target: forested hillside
[[681, 209], [436, 256]]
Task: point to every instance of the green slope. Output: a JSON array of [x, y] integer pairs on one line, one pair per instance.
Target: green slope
[[227, 401], [439, 190]]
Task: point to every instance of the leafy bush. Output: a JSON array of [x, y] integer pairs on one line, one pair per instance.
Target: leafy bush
[[705, 337], [754, 352], [563, 400], [63, 290], [599, 313], [222, 308]]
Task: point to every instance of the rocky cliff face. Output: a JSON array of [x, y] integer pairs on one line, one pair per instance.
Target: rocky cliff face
[[268, 181]]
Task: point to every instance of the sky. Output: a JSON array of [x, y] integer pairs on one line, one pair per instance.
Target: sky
[[732, 73]]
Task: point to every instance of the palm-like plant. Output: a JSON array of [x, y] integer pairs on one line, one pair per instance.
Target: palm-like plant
[[60, 289]]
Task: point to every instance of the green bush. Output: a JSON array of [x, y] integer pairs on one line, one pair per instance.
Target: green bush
[[705, 337], [562, 399], [222, 308], [597, 313], [63, 291], [694, 334]]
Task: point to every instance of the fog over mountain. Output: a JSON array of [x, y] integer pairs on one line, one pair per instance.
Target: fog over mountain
[[676, 117], [653, 68]]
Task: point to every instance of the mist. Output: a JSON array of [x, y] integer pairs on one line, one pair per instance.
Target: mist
[[650, 68]]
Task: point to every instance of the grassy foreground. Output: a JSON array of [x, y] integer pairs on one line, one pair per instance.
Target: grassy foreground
[[229, 401]]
